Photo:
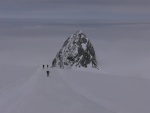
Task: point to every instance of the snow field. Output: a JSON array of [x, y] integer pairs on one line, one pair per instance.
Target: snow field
[[71, 91]]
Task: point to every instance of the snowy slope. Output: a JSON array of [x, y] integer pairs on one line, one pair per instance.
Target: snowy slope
[[120, 94], [41, 94], [72, 91]]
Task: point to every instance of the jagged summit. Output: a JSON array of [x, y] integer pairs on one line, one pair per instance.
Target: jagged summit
[[77, 51]]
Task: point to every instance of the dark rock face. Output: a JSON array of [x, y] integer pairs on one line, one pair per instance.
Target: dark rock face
[[77, 51]]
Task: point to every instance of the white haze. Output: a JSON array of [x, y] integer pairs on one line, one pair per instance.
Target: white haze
[[33, 31], [120, 49]]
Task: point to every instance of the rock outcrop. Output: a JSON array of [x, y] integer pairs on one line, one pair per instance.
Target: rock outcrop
[[77, 51]]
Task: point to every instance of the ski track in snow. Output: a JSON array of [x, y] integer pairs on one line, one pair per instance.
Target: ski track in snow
[[74, 91], [62, 98]]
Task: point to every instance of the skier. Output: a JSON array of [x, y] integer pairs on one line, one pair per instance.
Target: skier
[[47, 73], [47, 66], [43, 66]]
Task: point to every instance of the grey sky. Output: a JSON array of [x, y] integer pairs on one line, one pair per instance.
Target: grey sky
[[22, 17], [76, 9]]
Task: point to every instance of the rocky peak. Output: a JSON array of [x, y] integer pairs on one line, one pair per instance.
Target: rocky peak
[[76, 51]]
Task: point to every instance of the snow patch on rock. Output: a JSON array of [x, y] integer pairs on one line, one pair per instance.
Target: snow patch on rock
[[77, 51]]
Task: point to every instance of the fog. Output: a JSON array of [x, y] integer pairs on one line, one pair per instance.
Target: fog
[[34, 31]]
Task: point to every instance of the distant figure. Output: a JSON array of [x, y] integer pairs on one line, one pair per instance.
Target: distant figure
[[47, 73], [47, 66], [43, 66]]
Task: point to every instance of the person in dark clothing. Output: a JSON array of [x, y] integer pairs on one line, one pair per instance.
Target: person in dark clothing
[[47, 66], [43, 66], [47, 73]]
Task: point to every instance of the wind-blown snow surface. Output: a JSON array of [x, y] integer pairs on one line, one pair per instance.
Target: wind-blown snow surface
[[39, 94], [70, 91]]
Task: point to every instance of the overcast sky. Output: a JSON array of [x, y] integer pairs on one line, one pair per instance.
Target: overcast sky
[[76, 9], [22, 17]]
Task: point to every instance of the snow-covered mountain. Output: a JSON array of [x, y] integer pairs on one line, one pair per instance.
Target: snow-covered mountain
[[77, 51]]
